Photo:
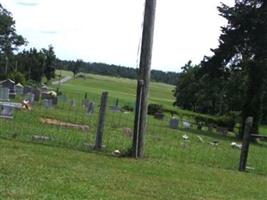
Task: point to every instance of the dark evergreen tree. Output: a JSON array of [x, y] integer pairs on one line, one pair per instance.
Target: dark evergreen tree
[[243, 46]]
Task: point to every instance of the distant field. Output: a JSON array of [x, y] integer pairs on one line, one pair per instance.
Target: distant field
[[121, 88]]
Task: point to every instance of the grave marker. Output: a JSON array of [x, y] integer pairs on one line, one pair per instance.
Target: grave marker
[[27, 89], [7, 112], [91, 108], [174, 123], [19, 89], [4, 94]]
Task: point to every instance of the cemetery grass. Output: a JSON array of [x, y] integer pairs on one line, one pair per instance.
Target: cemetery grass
[[172, 168], [34, 171]]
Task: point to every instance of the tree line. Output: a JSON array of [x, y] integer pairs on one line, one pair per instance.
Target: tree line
[[235, 77], [114, 70], [26, 65]]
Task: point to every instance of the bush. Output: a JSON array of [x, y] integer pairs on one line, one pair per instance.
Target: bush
[[128, 108], [228, 120], [154, 108]]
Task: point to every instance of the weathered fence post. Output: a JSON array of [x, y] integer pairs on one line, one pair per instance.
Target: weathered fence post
[[245, 144], [101, 121], [139, 92]]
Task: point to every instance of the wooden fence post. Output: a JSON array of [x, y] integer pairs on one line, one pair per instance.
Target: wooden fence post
[[139, 94], [101, 121], [245, 144]]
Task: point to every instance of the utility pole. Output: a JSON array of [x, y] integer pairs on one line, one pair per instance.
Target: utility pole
[[144, 77]]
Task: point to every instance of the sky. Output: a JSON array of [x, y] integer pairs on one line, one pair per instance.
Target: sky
[[110, 31]]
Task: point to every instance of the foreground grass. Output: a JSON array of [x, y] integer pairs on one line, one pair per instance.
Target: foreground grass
[[32, 171]]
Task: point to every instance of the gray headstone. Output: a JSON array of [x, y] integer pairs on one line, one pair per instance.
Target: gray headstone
[[47, 103], [4, 94], [19, 89], [174, 123], [9, 84], [44, 88], [91, 108], [27, 89], [7, 111], [37, 94]]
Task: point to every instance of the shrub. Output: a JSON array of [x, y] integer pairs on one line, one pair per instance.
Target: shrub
[[128, 108], [154, 108]]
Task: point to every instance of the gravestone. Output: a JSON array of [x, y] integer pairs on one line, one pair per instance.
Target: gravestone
[[8, 84], [47, 103], [27, 89], [91, 108], [4, 94], [49, 95], [37, 94], [7, 112], [11, 86], [186, 125], [174, 123], [44, 88], [19, 89]]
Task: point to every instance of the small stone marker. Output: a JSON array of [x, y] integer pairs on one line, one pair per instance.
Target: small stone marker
[[91, 108], [186, 125], [4, 94], [27, 89], [47, 103], [7, 112], [37, 94], [40, 138], [174, 123], [44, 88]]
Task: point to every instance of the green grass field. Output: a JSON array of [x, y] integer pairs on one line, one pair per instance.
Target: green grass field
[[64, 168]]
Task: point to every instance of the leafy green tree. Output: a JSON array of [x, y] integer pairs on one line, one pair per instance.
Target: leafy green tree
[[9, 39], [243, 46], [49, 62], [187, 88]]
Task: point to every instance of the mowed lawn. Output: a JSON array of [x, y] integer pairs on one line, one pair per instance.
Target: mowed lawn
[[32, 171], [171, 169]]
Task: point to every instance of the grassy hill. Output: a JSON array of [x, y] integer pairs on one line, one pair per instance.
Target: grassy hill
[[172, 169]]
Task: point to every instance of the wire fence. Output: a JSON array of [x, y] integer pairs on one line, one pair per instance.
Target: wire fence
[[72, 123]]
